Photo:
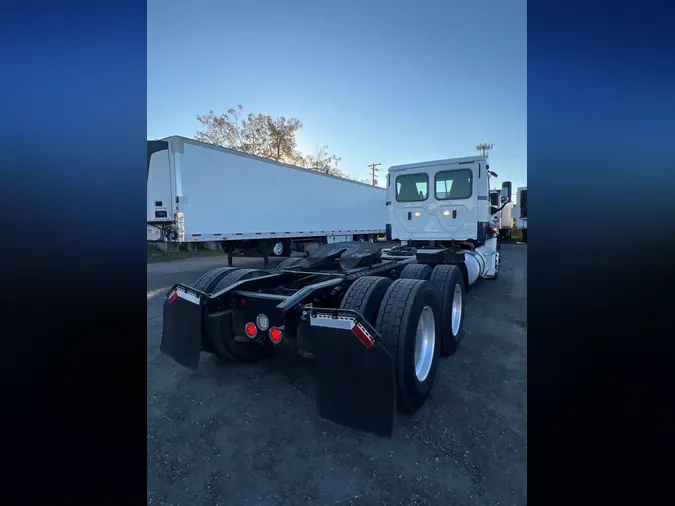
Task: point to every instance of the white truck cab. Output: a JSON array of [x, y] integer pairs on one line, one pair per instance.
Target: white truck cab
[[441, 201], [446, 204]]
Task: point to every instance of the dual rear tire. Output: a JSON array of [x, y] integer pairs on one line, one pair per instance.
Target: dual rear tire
[[406, 314], [419, 317], [225, 345], [449, 284]]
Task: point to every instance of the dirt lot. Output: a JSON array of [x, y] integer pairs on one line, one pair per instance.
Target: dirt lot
[[233, 434]]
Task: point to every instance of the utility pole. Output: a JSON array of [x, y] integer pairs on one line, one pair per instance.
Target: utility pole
[[374, 170]]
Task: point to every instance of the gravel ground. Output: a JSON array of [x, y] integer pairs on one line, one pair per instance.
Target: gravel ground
[[233, 434]]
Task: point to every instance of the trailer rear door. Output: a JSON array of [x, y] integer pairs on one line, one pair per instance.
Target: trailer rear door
[[160, 187]]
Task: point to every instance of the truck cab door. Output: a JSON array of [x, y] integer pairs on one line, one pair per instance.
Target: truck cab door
[[456, 195], [411, 201]]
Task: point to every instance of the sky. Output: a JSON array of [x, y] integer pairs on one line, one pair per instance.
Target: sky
[[392, 82]]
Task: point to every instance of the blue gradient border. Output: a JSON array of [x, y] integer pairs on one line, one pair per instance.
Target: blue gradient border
[[600, 107], [73, 91], [601, 104]]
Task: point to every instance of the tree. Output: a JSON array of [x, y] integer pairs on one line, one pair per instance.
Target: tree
[[264, 136], [321, 161]]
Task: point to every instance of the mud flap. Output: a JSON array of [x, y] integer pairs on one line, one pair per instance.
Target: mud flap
[[355, 374], [182, 326]]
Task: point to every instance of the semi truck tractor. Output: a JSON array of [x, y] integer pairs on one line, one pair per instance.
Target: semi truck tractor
[[520, 212], [200, 193], [502, 221], [376, 319]]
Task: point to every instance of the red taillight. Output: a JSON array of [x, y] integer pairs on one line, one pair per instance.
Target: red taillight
[[242, 302], [251, 330], [275, 335]]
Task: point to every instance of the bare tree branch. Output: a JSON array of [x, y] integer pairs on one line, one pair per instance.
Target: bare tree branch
[[264, 136]]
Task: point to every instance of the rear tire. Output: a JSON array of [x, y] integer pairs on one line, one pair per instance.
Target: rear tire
[[416, 271], [365, 296], [237, 275], [448, 282], [289, 262], [226, 347], [211, 278], [406, 302]]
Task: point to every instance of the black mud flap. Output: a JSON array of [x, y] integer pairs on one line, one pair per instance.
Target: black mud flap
[[182, 326], [355, 374]]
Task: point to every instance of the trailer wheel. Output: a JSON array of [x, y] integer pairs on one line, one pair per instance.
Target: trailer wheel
[[289, 262], [448, 281], [282, 248], [365, 296], [211, 278], [409, 323], [416, 271]]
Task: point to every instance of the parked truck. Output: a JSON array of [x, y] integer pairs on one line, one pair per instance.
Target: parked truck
[[375, 318], [520, 212], [202, 193], [502, 221]]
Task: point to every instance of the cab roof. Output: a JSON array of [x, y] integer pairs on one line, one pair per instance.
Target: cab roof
[[435, 163]]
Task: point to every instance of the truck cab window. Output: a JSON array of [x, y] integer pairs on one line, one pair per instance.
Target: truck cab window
[[412, 188], [454, 184]]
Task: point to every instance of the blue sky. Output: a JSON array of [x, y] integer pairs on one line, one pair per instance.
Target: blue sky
[[392, 82]]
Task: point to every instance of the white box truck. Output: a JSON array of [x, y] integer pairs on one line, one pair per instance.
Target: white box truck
[[202, 193]]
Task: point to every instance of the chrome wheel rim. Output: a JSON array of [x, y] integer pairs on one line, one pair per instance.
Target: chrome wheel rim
[[425, 343], [456, 311], [278, 249]]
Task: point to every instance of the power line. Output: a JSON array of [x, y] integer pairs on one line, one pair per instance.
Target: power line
[[373, 170]]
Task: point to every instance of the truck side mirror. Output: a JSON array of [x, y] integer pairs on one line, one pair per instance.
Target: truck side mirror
[[506, 192]]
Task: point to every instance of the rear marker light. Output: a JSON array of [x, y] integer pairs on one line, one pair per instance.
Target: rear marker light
[[363, 336], [251, 330], [275, 335]]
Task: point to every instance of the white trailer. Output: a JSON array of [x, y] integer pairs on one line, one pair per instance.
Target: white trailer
[[202, 193]]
